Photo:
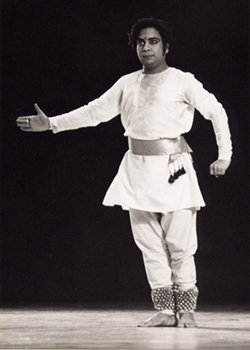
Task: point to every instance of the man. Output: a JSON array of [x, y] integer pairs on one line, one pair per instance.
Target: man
[[156, 181]]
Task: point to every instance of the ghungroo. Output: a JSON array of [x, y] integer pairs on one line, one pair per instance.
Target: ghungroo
[[186, 300], [163, 299]]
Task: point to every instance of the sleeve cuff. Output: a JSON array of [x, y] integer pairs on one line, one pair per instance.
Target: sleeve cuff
[[225, 156], [53, 125], [50, 124]]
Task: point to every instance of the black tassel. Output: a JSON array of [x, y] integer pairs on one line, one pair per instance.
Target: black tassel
[[171, 179], [179, 172], [176, 175], [182, 170]]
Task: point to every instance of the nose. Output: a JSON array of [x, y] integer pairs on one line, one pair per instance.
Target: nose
[[146, 46]]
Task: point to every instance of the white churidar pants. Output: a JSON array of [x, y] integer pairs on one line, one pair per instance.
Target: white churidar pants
[[168, 243]]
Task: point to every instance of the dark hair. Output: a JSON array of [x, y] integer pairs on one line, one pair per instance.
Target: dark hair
[[162, 26]]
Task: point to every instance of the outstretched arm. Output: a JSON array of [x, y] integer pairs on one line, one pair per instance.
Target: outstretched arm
[[95, 112], [34, 123]]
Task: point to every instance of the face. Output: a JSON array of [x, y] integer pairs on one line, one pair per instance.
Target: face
[[150, 50]]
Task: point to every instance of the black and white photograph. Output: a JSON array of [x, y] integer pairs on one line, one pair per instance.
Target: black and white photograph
[[125, 174]]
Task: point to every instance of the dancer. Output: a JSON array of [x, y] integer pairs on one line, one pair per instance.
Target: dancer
[[156, 181]]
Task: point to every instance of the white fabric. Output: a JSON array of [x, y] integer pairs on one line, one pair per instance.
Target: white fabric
[[142, 183], [168, 244], [152, 107]]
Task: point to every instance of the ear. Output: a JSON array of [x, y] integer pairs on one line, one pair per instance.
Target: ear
[[166, 48]]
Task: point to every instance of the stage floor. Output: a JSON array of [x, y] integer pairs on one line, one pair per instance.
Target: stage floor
[[114, 327]]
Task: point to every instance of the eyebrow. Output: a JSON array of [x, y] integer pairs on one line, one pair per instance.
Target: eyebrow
[[142, 39]]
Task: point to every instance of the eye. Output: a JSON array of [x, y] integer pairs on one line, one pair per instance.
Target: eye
[[154, 41], [140, 42]]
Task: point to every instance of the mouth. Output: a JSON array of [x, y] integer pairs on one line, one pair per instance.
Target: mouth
[[147, 56]]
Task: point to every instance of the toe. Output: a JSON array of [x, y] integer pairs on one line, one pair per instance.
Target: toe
[[147, 323], [180, 325]]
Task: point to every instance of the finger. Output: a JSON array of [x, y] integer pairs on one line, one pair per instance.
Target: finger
[[38, 109], [20, 119], [212, 171], [23, 122], [26, 129], [220, 171]]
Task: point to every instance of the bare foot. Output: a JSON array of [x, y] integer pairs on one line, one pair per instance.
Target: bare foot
[[186, 320], [160, 320]]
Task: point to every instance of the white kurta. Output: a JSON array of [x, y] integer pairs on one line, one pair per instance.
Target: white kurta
[[153, 106]]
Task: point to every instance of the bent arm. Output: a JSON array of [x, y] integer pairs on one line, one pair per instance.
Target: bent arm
[[211, 109]]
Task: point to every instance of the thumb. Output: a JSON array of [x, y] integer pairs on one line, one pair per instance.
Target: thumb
[[37, 108]]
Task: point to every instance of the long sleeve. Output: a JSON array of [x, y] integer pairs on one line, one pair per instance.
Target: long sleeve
[[99, 110], [211, 109]]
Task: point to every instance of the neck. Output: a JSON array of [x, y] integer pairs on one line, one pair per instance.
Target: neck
[[154, 70]]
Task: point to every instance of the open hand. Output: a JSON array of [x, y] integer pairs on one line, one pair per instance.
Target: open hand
[[39, 122], [219, 167]]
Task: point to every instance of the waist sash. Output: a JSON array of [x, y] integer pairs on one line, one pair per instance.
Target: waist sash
[[158, 147]]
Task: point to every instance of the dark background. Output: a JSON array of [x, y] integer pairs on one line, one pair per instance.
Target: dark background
[[58, 243]]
